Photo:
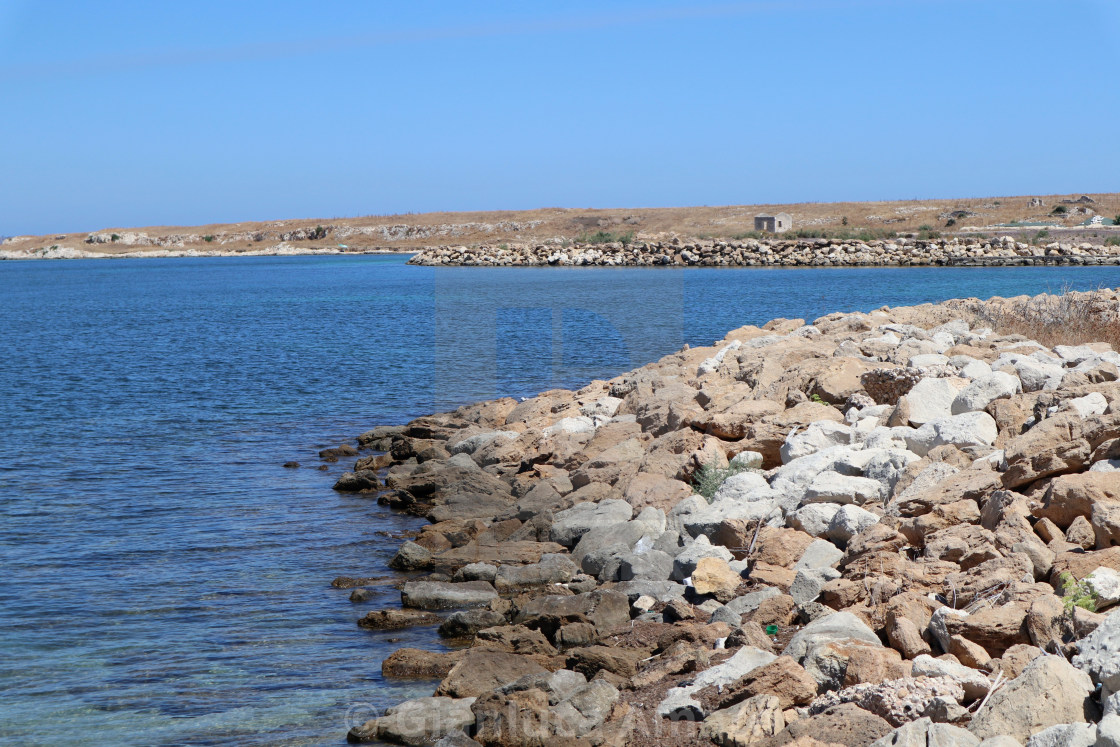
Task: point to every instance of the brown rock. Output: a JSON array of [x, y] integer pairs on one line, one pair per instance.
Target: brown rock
[[783, 677], [661, 492], [994, 628], [967, 545], [750, 633], [772, 575], [621, 661], [396, 619], [778, 610], [481, 670], [964, 588], [1080, 533], [874, 664], [904, 635], [1054, 446], [1046, 623], [845, 724], [1015, 660], [1080, 564], [970, 654], [780, 547], [1047, 530], [419, 663], [515, 639], [1106, 524], [714, 576], [744, 724]]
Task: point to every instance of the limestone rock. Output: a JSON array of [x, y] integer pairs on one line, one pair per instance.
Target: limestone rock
[[1049, 691]]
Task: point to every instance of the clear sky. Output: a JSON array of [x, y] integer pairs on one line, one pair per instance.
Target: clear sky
[[151, 112]]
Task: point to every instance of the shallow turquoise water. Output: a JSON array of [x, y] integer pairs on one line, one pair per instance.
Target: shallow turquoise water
[[164, 581]]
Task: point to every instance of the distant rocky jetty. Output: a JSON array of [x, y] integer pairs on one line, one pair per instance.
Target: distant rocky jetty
[[993, 251], [886, 528]]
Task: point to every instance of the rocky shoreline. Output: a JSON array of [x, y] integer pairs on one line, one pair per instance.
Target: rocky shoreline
[[777, 252], [892, 528], [278, 250]]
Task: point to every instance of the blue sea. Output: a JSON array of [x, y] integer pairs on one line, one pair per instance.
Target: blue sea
[[163, 580]]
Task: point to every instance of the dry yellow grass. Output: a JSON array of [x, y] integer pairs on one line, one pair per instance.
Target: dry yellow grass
[[409, 231], [1067, 319]]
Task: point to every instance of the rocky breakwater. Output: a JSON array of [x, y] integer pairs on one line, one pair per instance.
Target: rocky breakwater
[[990, 251], [910, 535]]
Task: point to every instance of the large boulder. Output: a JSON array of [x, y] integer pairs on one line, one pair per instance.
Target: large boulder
[[417, 722], [570, 525], [746, 723], [970, 429], [838, 626], [984, 390], [1049, 691], [481, 670], [444, 595]]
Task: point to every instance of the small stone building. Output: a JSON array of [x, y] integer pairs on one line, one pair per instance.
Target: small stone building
[[779, 223]]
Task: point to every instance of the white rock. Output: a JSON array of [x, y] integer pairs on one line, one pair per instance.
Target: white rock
[[938, 628], [813, 519], [848, 522], [1065, 735], [1035, 375], [838, 626], [1106, 465], [711, 364], [606, 408], [832, 487], [816, 437], [887, 465], [1091, 404], [679, 702], [926, 360], [1106, 583], [474, 443], [931, 399], [968, 429], [984, 390], [581, 424], [744, 486], [747, 460], [975, 683]]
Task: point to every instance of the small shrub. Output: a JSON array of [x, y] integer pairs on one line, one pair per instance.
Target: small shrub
[[1077, 593], [1043, 234], [1059, 210], [844, 221], [818, 399], [208, 238], [951, 222], [115, 237], [1116, 220], [606, 237], [318, 233], [709, 477], [1066, 319], [1112, 241]]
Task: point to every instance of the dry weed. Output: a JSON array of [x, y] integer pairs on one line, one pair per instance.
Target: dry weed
[[1069, 318]]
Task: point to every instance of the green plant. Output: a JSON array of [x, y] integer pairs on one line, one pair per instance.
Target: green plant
[[951, 222], [318, 233], [1042, 234], [1077, 593], [503, 247], [707, 479], [1112, 241], [115, 237], [844, 221], [606, 237], [818, 399], [1116, 220], [208, 238], [1059, 210]]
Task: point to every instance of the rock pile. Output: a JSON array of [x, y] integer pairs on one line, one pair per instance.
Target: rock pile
[[910, 506], [777, 253]]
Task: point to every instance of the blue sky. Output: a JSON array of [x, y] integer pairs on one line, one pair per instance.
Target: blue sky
[[148, 113]]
